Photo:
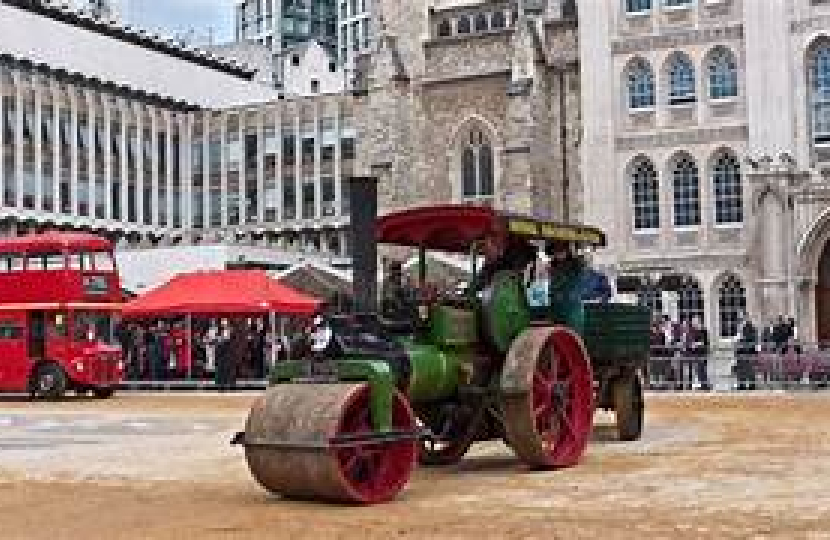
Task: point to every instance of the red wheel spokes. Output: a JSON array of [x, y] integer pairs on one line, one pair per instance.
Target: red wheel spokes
[[553, 401]]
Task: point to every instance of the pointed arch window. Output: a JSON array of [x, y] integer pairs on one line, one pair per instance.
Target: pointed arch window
[[731, 304], [444, 28], [820, 94], [477, 170], [686, 184], [640, 86], [690, 301], [723, 74], [681, 80], [645, 191], [727, 185]]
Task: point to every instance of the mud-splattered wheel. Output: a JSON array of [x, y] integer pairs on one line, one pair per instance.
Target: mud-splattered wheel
[[548, 404], [629, 406], [315, 442]]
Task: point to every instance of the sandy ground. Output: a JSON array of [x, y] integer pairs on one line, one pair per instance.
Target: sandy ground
[[161, 467]]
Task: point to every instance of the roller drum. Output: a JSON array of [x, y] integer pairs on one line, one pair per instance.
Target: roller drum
[[289, 452]]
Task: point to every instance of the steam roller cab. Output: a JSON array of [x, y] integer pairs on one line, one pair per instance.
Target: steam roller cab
[[349, 422]]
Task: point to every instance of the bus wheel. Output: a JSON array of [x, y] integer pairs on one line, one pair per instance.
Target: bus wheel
[[49, 382], [103, 393]]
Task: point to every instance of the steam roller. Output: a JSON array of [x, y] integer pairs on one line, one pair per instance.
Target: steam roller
[[384, 389]]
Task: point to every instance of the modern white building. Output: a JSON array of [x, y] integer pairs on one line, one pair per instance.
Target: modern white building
[[705, 152], [133, 136]]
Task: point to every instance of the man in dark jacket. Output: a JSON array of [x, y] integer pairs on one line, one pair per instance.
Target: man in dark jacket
[[746, 352], [699, 350]]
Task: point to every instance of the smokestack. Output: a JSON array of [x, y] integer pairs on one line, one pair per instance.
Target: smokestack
[[363, 202]]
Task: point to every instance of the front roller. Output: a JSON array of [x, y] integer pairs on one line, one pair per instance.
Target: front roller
[[548, 397], [317, 441]]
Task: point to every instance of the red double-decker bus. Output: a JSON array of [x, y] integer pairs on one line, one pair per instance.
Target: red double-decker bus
[[58, 294]]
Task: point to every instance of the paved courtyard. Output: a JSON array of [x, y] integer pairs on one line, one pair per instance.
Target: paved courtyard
[[160, 467]]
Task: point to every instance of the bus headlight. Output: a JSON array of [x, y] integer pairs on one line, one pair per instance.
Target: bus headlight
[[79, 366], [120, 365]]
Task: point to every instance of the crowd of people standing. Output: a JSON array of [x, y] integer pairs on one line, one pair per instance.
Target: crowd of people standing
[[218, 349], [680, 353]]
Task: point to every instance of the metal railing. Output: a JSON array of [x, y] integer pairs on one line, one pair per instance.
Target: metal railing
[[796, 366]]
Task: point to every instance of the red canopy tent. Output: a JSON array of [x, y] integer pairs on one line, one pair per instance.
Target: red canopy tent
[[228, 292]]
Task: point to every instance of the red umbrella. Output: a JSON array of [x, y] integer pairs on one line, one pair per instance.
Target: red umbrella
[[237, 292]]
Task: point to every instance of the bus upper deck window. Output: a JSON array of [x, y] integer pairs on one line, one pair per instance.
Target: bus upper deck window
[[80, 261], [15, 263], [36, 262], [104, 262], [54, 261]]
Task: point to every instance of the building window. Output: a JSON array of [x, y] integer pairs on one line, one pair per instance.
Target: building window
[[498, 20], [677, 3], [820, 94], [645, 190], [731, 305], [463, 25], [651, 297], [637, 6], [681, 80], [723, 74], [686, 180], [444, 28], [477, 167], [690, 301], [726, 180], [315, 86], [295, 60], [640, 86], [481, 22]]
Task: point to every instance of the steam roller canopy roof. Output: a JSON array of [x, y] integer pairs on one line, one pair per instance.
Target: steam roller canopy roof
[[454, 228]]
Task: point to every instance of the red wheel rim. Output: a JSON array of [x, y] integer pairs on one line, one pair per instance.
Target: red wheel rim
[[375, 472], [562, 401]]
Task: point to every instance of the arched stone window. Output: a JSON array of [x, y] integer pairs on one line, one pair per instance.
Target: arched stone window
[[690, 301], [444, 28], [681, 80], [731, 304], [727, 186], [686, 187], [477, 168], [819, 75], [723, 74], [463, 25], [652, 298], [645, 193], [640, 84], [481, 24], [498, 20]]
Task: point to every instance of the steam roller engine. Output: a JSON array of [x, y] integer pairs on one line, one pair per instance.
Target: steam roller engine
[[349, 422]]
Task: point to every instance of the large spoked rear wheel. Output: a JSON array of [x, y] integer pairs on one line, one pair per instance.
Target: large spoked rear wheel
[[629, 406], [301, 420], [548, 404]]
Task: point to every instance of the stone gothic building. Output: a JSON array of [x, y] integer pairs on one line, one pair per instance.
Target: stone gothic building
[[473, 102]]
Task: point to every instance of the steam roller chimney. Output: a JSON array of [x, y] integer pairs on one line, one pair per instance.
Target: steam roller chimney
[[363, 202]]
